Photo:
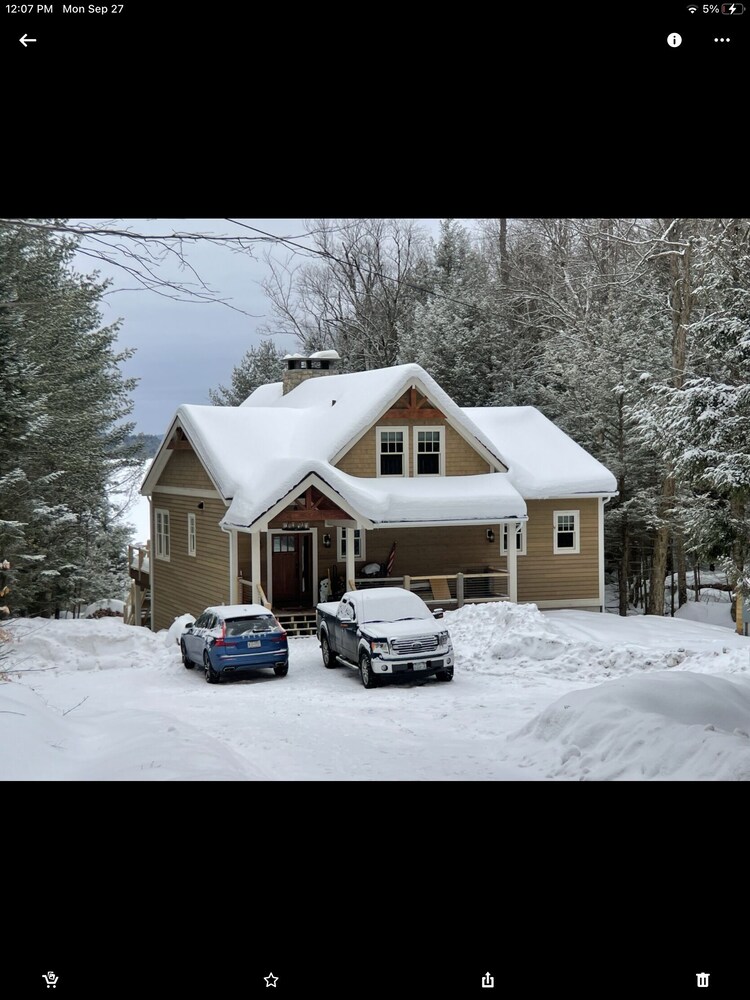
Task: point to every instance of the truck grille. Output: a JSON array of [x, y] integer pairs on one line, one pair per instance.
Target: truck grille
[[415, 645]]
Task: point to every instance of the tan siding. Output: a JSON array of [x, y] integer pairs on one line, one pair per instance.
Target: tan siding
[[420, 551], [188, 584], [184, 469], [544, 576], [460, 458]]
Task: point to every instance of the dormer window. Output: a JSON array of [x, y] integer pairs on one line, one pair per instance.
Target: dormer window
[[429, 451], [393, 458]]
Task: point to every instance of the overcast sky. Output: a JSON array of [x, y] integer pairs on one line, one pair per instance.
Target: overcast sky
[[183, 349]]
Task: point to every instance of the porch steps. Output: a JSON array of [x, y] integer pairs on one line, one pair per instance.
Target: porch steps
[[297, 623]]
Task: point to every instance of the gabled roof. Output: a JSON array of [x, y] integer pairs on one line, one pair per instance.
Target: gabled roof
[[340, 408], [257, 454], [542, 460]]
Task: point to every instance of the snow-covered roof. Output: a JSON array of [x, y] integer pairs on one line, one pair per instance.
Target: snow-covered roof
[[542, 460], [258, 453], [458, 499]]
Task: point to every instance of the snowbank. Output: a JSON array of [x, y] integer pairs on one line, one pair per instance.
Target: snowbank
[[677, 726]]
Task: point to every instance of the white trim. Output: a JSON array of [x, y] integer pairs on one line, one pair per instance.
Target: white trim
[[159, 537], [234, 564], [192, 539], [165, 453], [340, 557], [512, 564], [385, 429], [417, 430], [311, 479], [490, 522], [269, 559], [255, 567], [576, 548], [504, 539], [187, 491]]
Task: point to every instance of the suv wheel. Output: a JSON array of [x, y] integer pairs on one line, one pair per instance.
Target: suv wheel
[[187, 662], [212, 677]]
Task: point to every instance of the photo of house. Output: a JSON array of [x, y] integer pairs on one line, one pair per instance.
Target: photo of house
[[324, 481]]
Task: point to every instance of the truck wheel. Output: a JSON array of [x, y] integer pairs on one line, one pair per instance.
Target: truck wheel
[[329, 657], [444, 675], [188, 663], [365, 671]]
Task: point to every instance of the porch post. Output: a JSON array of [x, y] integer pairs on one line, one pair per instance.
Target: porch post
[[512, 563], [233, 567], [349, 555], [255, 565]]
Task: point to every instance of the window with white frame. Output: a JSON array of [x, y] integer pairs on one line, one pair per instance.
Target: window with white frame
[[192, 546], [393, 457], [566, 532], [429, 451], [520, 540], [359, 544], [161, 524]]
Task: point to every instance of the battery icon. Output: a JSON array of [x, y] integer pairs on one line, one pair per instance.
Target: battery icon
[[733, 8]]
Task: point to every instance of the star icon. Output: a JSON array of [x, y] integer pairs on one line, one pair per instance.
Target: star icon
[[270, 979]]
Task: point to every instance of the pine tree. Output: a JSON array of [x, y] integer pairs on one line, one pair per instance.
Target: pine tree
[[259, 366], [62, 434]]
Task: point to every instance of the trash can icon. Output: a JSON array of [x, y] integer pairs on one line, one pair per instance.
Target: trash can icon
[[702, 978]]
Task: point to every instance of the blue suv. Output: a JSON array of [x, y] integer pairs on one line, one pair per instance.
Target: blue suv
[[235, 638]]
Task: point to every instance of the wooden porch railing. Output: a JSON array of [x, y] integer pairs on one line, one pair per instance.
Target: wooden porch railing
[[139, 557], [442, 590], [243, 583]]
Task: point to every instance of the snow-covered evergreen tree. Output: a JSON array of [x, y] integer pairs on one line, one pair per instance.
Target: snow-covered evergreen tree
[[259, 366], [702, 428], [61, 429]]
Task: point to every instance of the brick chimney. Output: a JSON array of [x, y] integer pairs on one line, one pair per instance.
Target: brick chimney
[[300, 367]]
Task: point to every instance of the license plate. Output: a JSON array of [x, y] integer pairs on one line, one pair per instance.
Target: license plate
[[253, 644]]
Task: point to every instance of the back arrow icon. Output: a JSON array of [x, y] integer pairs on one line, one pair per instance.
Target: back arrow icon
[[25, 38]]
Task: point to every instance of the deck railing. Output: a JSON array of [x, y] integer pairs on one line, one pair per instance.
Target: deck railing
[[448, 590], [245, 590], [139, 557]]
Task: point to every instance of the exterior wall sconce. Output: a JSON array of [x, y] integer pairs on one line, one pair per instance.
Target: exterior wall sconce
[[201, 505], [490, 535], [326, 541]]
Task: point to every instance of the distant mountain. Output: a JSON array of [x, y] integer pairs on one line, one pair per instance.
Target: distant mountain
[[149, 443]]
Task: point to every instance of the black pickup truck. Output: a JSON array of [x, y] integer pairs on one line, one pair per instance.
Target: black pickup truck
[[386, 632]]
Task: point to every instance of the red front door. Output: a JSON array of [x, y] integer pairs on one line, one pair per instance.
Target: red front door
[[286, 569]]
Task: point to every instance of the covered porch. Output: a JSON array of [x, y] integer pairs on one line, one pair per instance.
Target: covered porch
[[315, 549]]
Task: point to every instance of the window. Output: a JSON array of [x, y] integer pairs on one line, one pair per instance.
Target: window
[[359, 544], [429, 451], [566, 532], [393, 459], [520, 540], [284, 543], [191, 535], [161, 519]]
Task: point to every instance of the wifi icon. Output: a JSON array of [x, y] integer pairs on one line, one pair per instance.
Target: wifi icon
[[692, 9]]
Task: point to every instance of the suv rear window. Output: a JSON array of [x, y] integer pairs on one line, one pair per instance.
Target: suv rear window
[[253, 623]]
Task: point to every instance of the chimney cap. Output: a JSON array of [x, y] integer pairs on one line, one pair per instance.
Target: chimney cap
[[332, 355]]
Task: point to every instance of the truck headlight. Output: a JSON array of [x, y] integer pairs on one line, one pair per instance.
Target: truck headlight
[[379, 646], [443, 638]]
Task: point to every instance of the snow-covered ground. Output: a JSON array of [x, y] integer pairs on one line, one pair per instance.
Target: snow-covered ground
[[558, 695]]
